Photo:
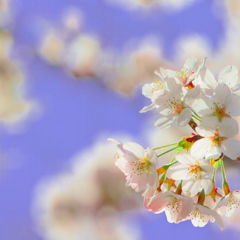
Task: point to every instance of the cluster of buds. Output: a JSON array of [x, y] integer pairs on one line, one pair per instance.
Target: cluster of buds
[[186, 187]]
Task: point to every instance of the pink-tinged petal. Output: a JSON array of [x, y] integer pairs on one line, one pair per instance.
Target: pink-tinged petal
[[158, 203], [187, 207], [138, 182], [221, 207], [229, 76], [148, 194], [233, 203], [119, 145], [231, 148], [147, 108], [128, 180], [165, 122], [200, 148], [122, 164], [184, 117]]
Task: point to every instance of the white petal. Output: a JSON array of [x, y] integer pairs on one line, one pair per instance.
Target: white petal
[[165, 122], [213, 152], [209, 79], [147, 108], [200, 148], [184, 117], [231, 148], [134, 148], [186, 159], [229, 76], [208, 211], [190, 64], [222, 95], [233, 107]]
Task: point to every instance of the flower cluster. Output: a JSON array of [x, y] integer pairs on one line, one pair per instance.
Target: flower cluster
[[186, 187]]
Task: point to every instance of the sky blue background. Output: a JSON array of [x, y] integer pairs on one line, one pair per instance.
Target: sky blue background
[[74, 112]]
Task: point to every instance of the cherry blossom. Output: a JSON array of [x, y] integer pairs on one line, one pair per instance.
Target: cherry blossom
[[188, 73], [217, 140], [201, 215], [222, 105], [195, 174], [185, 187], [137, 164], [176, 206], [228, 76], [173, 105], [229, 203]]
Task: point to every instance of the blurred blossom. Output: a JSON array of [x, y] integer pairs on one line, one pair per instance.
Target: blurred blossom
[[166, 4], [228, 51], [233, 9], [4, 12], [54, 40], [234, 221], [13, 105], [85, 202], [82, 56], [51, 48], [73, 20], [136, 65], [194, 45]]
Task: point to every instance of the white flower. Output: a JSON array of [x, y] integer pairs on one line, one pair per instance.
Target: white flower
[[217, 139], [137, 164], [189, 71], [201, 215], [174, 106], [228, 204], [228, 76], [222, 105], [152, 90], [176, 207], [195, 174]]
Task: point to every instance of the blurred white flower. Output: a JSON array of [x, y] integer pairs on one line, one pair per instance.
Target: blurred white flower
[[73, 19], [146, 4], [52, 47], [84, 203], [13, 105], [82, 56], [135, 65], [4, 12]]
